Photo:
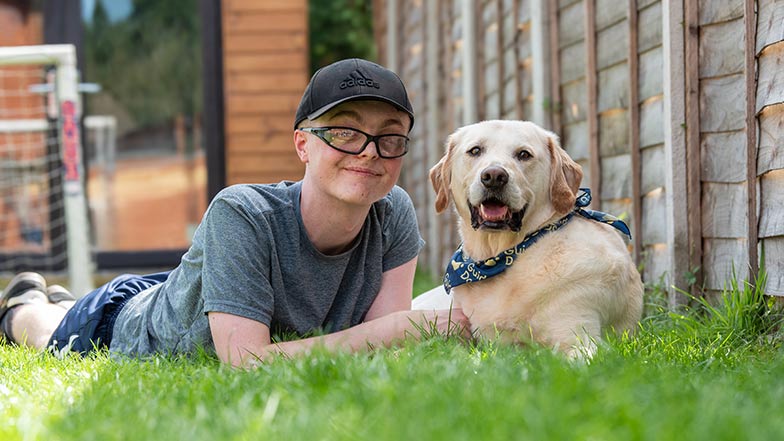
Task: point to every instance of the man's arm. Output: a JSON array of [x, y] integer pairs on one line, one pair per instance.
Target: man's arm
[[243, 342], [396, 291]]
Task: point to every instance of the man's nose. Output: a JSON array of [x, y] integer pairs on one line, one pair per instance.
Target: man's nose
[[370, 150]]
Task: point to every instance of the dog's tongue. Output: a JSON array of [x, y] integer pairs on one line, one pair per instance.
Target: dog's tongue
[[493, 211]]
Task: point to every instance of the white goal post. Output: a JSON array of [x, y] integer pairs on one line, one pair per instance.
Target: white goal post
[[65, 109]]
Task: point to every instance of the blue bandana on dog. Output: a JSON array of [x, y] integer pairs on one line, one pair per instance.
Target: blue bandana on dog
[[462, 269]]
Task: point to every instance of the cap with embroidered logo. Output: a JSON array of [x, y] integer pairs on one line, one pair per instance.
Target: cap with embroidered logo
[[348, 80]]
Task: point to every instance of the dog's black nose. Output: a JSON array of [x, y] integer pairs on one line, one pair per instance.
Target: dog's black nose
[[494, 177]]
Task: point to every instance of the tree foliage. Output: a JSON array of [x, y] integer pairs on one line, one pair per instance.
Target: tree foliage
[[340, 29], [149, 62]]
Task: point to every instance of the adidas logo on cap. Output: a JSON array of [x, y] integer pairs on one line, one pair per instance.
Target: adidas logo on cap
[[356, 78]]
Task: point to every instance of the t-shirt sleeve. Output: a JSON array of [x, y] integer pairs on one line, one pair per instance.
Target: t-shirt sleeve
[[402, 241], [235, 274]]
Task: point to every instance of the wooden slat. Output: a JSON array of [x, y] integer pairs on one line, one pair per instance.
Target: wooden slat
[[257, 123], [284, 62], [266, 42], [263, 22], [771, 219], [611, 45], [379, 28], [518, 68], [267, 103], [771, 138], [693, 166], [653, 172], [266, 163], [265, 5], [591, 112], [722, 103], [722, 258], [481, 57], [716, 11], [608, 14], [555, 104], [771, 23], [673, 134], [720, 51], [613, 134], [650, 73], [771, 76], [616, 177], [263, 81], [724, 210], [649, 28], [571, 59], [613, 88], [500, 55], [267, 142], [571, 29], [255, 177], [774, 265], [724, 156], [752, 234], [634, 134], [654, 231]]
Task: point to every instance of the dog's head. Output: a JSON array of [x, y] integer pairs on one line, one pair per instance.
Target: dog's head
[[502, 175]]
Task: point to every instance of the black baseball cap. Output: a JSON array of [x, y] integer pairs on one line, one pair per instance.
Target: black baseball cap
[[348, 80]]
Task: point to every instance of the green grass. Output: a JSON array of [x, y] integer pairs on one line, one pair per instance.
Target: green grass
[[710, 372]]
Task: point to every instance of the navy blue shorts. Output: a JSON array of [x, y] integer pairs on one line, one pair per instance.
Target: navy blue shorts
[[89, 324]]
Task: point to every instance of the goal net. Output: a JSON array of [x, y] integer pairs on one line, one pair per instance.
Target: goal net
[[43, 215]]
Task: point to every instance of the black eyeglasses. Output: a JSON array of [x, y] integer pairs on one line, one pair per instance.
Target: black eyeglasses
[[354, 142]]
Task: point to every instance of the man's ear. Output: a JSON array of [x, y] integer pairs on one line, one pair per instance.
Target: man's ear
[[441, 176], [565, 177], [300, 143]]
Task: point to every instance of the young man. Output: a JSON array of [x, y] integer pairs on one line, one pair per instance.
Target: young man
[[334, 253]]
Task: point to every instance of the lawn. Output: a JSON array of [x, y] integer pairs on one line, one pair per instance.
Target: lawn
[[710, 372]]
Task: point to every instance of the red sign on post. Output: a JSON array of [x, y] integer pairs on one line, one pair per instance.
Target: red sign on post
[[71, 150]]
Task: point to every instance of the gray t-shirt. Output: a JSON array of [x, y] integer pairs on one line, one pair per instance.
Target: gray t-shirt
[[251, 257]]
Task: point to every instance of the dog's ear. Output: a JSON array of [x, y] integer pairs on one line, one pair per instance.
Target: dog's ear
[[441, 176], [565, 177]]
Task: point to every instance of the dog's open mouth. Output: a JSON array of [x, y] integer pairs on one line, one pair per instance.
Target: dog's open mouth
[[493, 214]]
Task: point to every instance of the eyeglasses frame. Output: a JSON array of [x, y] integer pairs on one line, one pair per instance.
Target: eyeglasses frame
[[318, 131]]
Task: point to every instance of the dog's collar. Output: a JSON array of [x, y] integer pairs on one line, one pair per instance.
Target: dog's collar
[[462, 269]]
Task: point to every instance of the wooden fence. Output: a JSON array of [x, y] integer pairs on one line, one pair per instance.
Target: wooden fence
[[675, 110]]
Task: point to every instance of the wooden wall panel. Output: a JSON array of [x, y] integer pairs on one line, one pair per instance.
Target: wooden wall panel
[[771, 220], [723, 156], [770, 23], [716, 11], [722, 49], [724, 258], [653, 170], [771, 139], [265, 72], [651, 73], [725, 202], [771, 76], [654, 231], [774, 264]]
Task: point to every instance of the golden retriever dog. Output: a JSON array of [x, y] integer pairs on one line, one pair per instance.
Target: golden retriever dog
[[507, 181]]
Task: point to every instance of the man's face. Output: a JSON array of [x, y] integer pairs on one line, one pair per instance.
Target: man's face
[[354, 179]]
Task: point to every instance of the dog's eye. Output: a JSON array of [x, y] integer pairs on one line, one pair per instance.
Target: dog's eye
[[524, 155], [475, 151]]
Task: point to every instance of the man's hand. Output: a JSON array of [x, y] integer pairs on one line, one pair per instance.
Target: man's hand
[[424, 323]]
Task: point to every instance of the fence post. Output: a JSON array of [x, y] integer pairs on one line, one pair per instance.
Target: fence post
[[675, 147]]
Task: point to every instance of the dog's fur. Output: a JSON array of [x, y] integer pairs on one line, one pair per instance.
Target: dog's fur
[[570, 286]]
